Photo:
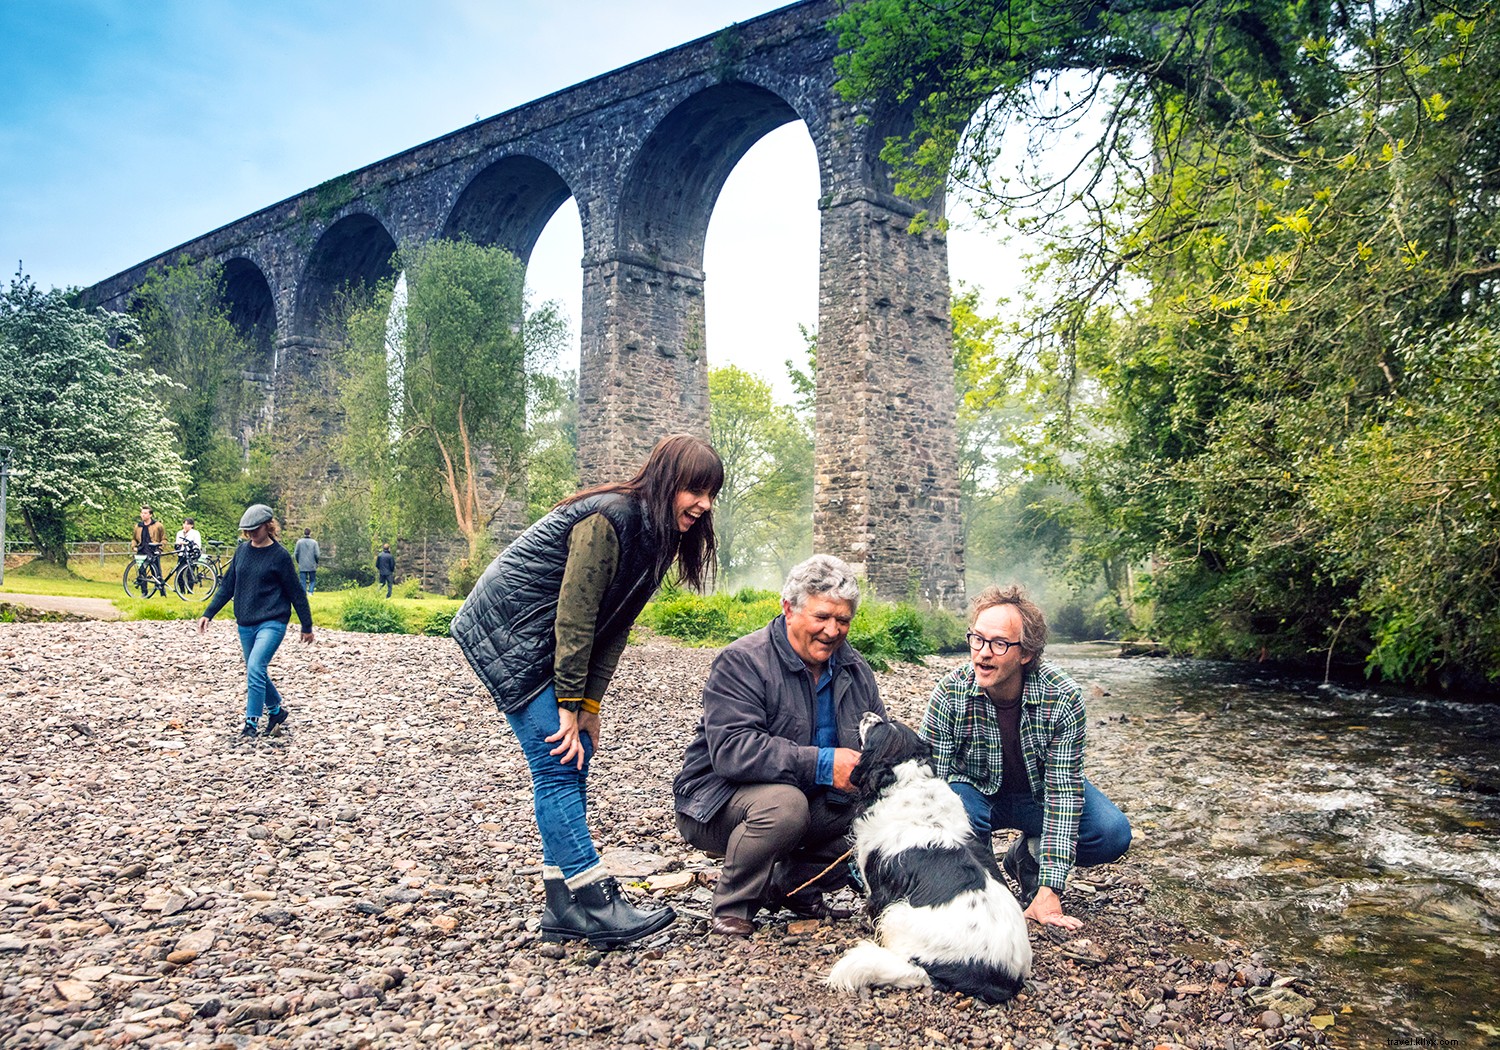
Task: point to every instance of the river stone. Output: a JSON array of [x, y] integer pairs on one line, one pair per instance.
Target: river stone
[[1283, 1000], [197, 941], [672, 881], [632, 863], [73, 991]]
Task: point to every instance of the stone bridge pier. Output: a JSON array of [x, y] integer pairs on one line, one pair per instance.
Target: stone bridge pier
[[644, 152]]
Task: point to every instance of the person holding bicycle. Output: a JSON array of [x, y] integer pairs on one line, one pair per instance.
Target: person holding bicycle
[[189, 541], [262, 581], [150, 534]]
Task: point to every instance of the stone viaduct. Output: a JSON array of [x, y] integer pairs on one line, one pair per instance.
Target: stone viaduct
[[644, 152]]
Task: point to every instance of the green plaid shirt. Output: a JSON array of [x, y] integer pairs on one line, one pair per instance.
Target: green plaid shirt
[[960, 725]]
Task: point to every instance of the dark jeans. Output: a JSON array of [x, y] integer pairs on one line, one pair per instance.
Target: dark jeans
[[1103, 831], [386, 578], [770, 833], [309, 581]]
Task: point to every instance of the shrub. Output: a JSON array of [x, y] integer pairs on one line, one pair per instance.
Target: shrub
[[691, 619], [463, 575], [371, 615], [411, 588], [438, 622], [883, 634]]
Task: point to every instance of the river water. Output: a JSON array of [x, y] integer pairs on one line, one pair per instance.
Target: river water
[[1353, 835]]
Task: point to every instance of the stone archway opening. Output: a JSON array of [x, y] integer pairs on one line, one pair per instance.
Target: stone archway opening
[[252, 312], [356, 251]]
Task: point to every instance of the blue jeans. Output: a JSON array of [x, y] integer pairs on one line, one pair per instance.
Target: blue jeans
[[559, 791], [309, 581], [1103, 831], [260, 641]]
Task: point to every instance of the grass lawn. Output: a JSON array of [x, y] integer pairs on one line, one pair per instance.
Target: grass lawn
[[86, 578]]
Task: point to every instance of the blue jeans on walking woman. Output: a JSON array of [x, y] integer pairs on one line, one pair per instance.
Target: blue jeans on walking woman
[[559, 791], [260, 641]]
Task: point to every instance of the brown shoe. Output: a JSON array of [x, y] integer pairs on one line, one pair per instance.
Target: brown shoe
[[732, 926]]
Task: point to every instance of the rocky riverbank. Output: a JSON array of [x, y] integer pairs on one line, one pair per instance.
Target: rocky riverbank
[[372, 878]]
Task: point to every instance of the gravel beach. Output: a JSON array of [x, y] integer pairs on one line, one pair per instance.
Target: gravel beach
[[372, 877]]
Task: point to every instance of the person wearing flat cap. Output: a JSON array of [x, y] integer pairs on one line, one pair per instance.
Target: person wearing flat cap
[[262, 581]]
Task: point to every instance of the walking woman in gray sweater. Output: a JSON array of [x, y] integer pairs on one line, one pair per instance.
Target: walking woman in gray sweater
[[263, 583]]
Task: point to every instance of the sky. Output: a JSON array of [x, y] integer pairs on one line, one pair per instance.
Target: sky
[[128, 127]]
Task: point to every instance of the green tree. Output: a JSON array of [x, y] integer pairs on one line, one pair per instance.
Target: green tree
[[763, 511], [185, 332], [1259, 272], [84, 417], [440, 392]]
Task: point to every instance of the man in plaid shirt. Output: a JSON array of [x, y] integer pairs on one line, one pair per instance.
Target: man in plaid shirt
[[1007, 734]]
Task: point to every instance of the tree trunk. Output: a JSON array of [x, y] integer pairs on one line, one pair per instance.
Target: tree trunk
[[49, 531]]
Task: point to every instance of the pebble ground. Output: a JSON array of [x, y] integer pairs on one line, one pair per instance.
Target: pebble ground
[[371, 878]]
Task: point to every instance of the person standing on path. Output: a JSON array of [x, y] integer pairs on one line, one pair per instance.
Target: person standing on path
[[544, 629], [149, 535], [385, 564], [305, 554], [189, 540], [262, 581]]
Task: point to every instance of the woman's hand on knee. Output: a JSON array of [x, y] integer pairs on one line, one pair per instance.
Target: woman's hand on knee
[[588, 722], [569, 745]]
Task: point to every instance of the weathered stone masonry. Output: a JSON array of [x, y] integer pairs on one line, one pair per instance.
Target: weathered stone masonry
[[644, 151]]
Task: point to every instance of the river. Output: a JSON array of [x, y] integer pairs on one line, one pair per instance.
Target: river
[[1353, 835]]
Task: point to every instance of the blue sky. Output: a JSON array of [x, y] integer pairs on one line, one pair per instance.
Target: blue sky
[[130, 126]]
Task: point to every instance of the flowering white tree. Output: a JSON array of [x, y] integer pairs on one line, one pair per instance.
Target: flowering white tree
[[82, 415]]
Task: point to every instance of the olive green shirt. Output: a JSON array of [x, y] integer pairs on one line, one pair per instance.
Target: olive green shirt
[[580, 670]]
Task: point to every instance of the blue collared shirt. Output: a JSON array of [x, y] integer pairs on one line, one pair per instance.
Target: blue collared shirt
[[825, 727]]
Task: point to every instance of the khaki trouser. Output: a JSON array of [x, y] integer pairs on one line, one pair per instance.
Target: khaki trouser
[[773, 838]]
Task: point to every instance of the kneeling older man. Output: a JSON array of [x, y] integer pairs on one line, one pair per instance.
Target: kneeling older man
[[764, 782]]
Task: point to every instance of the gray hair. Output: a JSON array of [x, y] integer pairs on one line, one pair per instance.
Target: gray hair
[[824, 575]]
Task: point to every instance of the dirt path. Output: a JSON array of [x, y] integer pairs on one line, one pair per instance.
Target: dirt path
[[89, 608]]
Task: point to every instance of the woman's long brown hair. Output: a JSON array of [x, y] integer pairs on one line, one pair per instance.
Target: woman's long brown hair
[[678, 463]]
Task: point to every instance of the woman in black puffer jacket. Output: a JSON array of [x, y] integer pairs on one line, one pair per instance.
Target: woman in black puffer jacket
[[544, 629]]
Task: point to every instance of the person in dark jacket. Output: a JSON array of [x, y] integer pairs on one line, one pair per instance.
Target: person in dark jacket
[[262, 581], [544, 629], [385, 564], [764, 782]]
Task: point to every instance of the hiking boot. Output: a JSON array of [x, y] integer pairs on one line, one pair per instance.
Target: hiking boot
[[250, 731], [1021, 865], [598, 914], [274, 720]]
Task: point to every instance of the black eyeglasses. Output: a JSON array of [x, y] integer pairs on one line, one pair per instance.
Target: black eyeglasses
[[999, 646]]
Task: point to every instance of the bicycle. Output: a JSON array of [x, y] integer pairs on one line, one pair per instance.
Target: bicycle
[[197, 573], [192, 578]]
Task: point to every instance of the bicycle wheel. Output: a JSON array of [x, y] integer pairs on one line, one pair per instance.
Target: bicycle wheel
[[196, 582], [138, 580]]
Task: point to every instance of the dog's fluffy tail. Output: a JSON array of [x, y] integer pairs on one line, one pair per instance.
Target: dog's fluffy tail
[[867, 965]]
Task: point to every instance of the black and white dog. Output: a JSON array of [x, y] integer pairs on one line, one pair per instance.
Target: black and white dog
[[944, 916]]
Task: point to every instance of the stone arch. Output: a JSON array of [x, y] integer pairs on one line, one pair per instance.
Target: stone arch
[[356, 250], [252, 311], [668, 196], [508, 203]]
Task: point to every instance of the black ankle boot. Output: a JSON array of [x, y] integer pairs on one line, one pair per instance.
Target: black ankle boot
[[561, 916], [598, 914]]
